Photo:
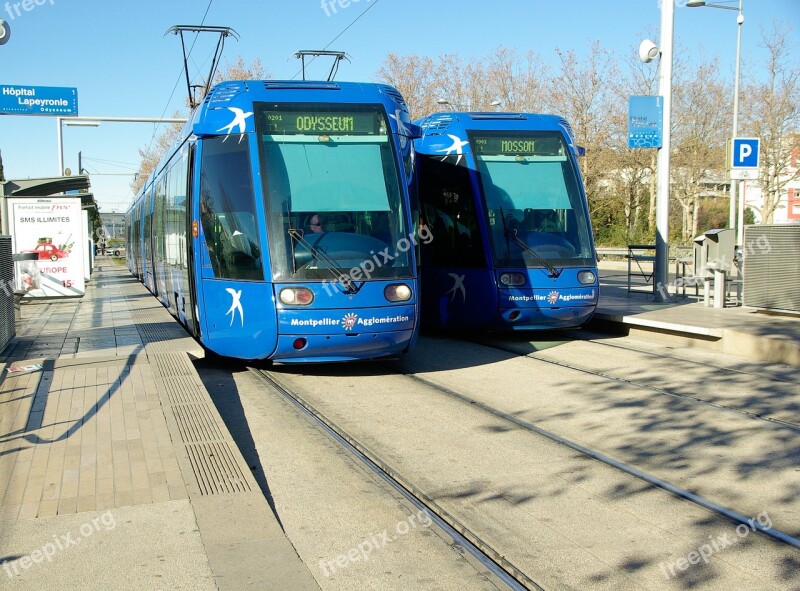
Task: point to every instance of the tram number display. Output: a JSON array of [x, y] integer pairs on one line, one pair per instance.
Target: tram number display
[[305, 122]]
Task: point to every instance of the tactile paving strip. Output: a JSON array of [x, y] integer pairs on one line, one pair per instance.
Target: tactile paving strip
[[208, 452], [216, 469]]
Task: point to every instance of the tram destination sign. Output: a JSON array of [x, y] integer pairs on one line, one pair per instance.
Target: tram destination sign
[[517, 145], [281, 122], [50, 101]]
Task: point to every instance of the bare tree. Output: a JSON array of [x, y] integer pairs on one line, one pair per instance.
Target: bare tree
[[150, 156], [413, 76], [700, 129], [583, 94], [772, 113], [519, 84], [240, 70]]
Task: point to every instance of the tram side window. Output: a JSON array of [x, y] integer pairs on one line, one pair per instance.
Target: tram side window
[[449, 210], [227, 210], [158, 219], [148, 224]]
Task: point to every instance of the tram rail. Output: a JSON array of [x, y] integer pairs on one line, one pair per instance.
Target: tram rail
[[470, 541]]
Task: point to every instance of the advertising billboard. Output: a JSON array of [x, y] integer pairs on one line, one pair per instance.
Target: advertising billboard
[[52, 230]]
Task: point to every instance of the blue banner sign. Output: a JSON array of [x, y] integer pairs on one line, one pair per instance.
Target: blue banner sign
[[645, 121], [38, 100]]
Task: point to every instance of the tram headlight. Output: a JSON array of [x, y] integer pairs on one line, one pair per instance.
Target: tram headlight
[[587, 277], [297, 296], [397, 292], [512, 279]]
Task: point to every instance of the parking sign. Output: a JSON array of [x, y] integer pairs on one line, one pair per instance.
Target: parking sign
[[745, 152]]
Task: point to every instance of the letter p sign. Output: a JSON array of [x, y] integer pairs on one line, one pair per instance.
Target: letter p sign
[[745, 153]]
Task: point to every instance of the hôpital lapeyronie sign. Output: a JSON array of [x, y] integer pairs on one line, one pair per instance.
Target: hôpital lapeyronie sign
[[38, 100]]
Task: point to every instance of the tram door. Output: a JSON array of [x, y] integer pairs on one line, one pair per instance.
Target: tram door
[[237, 310]]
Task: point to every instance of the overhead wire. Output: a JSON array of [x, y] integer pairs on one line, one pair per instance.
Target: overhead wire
[[178, 81], [343, 31]]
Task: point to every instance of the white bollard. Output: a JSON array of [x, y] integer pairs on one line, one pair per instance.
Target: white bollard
[[719, 288]]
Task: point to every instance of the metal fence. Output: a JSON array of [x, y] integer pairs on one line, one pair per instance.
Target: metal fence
[[771, 273], [7, 329]]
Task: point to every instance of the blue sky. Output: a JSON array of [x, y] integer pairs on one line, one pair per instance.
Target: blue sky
[[117, 56]]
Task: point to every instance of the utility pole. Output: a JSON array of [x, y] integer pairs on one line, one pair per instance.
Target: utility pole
[[661, 270]]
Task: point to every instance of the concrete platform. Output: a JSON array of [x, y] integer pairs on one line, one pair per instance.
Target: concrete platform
[[116, 470], [736, 330]]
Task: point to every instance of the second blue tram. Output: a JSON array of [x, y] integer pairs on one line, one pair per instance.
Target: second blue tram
[[513, 250], [279, 226]]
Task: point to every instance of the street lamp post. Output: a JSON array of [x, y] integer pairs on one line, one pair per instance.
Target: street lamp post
[[734, 183]]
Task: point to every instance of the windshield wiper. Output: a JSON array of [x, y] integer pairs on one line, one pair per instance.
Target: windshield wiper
[[553, 273], [350, 287]]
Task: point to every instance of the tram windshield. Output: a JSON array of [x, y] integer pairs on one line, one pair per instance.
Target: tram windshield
[[534, 203], [333, 196]]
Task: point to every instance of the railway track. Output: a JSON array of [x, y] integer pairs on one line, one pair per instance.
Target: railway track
[[470, 541], [682, 493]]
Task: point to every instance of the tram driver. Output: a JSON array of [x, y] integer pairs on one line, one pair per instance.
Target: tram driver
[[316, 224]]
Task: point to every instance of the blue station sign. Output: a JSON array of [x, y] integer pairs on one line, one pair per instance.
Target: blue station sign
[[645, 121], [38, 100]]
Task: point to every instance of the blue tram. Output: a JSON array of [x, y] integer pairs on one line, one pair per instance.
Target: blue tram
[[279, 226], [502, 195]]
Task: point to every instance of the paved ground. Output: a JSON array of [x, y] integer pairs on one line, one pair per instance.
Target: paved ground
[[116, 471], [114, 449], [568, 522]]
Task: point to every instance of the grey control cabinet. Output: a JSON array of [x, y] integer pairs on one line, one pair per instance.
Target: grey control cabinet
[[720, 249]]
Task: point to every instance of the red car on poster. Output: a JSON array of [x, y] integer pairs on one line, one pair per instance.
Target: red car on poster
[[48, 250]]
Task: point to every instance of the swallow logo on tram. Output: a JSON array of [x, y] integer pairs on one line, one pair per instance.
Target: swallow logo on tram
[[457, 147], [458, 285], [239, 120], [236, 304], [402, 130]]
